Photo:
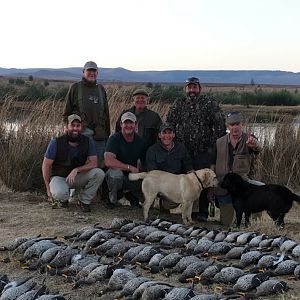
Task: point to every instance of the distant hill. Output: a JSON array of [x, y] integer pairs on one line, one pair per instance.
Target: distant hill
[[174, 76]]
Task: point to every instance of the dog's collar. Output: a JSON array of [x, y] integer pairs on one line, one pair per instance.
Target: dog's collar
[[199, 180]]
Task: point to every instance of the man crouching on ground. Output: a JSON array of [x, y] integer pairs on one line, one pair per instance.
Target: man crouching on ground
[[124, 150], [70, 162]]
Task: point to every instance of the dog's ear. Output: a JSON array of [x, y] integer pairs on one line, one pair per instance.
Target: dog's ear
[[207, 177], [231, 182]]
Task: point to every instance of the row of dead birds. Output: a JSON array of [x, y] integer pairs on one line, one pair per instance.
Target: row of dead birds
[[85, 268], [132, 286], [25, 289]]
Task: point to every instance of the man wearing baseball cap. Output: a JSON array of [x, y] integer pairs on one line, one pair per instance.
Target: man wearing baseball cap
[[88, 99], [70, 162], [148, 121], [123, 154], [234, 152], [167, 154], [170, 156], [198, 123]]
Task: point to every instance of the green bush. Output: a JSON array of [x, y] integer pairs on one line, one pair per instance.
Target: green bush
[[20, 81], [259, 97], [34, 91]]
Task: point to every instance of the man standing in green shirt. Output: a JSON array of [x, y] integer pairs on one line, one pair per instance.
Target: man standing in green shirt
[[123, 154], [148, 121], [88, 99]]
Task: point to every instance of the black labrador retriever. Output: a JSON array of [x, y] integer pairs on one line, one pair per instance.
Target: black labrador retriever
[[248, 198]]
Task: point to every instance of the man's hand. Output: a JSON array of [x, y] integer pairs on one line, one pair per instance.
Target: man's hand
[[71, 177], [133, 169], [252, 142]]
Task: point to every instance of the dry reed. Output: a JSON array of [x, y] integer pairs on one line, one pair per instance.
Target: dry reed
[[22, 150]]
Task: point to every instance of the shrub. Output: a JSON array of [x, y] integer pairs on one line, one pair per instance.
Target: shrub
[[20, 81], [34, 91]]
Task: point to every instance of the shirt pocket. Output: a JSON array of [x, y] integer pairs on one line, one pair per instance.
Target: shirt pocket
[[241, 164]]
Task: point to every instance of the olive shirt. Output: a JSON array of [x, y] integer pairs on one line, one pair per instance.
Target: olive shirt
[[148, 123], [127, 152], [89, 101], [176, 160], [198, 123]]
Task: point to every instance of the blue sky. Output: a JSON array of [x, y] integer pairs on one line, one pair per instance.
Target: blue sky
[[152, 35]]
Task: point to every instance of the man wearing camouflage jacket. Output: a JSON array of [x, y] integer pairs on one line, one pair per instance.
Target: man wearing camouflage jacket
[[198, 123]]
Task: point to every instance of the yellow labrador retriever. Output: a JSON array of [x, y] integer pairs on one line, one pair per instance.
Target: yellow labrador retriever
[[183, 189]]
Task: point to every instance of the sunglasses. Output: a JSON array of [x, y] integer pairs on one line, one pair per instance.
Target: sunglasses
[[194, 80], [233, 113]]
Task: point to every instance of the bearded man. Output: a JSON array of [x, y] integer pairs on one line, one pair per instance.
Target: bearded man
[[70, 162], [198, 123]]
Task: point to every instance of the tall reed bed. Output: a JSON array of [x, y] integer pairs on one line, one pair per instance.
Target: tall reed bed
[[22, 145], [26, 129]]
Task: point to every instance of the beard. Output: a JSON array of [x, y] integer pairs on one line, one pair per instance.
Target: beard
[[192, 95], [73, 138]]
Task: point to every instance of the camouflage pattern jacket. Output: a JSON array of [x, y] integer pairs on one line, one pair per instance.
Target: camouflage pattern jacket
[[198, 123]]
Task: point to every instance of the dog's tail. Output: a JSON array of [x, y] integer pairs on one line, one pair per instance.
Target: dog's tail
[[296, 197], [137, 176]]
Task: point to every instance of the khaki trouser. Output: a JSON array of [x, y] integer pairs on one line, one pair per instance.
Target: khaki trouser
[[87, 183], [227, 214]]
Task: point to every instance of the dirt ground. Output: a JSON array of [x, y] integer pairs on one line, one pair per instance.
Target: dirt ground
[[27, 214]]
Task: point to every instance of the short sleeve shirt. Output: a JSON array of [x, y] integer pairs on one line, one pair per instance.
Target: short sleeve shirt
[[73, 151], [126, 152]]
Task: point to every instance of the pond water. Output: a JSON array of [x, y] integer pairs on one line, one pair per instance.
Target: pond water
[[263, 131]]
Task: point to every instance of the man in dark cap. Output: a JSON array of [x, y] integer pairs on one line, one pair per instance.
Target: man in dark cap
[[170, 156], [70, 162], [167, 154], [148, 121], [198, 123], [88, 99]]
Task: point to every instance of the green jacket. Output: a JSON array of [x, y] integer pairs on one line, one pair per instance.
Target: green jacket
[[90, 102]]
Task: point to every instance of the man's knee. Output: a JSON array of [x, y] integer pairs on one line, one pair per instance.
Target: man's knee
[[114, 175], [98, 174], [114, 178]]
